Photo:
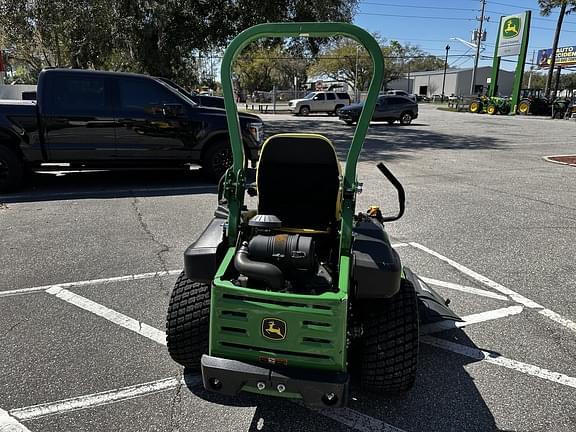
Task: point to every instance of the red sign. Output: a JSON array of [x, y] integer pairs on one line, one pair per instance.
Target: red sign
[[2, 67]]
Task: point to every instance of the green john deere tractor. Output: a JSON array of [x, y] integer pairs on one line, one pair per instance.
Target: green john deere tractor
[[498, 105], [294, 297]]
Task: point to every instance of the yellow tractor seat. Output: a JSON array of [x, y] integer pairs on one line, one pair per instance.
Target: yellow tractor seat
[[298, 181]]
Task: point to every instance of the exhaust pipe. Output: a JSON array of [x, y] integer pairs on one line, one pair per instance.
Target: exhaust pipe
[[262, 271]]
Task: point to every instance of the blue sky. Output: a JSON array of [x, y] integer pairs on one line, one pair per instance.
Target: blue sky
[[442, 20]]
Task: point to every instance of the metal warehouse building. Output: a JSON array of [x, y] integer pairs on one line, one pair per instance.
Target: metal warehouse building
[[457, 82]]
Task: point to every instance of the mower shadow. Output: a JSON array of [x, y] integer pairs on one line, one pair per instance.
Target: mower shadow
[[444, 398], [383, 141], [109, 184]]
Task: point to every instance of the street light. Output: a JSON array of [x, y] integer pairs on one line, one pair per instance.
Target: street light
[[445, 67]]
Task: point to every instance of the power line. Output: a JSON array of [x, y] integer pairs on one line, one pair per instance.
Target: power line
[[416, 17], [418, 7]]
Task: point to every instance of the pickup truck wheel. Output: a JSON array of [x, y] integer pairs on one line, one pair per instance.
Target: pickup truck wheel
[[11, 170], [188, 322], [389, 345], [304, 111], [217, 159]]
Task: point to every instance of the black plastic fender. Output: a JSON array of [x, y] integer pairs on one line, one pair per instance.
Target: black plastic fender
[[432, 306], [202, 258]]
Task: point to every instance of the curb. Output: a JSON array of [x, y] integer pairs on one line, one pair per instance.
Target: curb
[[548, 159]]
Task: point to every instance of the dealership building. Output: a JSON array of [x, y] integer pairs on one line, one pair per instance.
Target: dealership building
[[458, 81]]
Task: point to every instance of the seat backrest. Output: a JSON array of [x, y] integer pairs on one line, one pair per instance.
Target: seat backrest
[[298, 181]]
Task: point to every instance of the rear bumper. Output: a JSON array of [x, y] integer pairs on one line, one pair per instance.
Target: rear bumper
[[230, 377]]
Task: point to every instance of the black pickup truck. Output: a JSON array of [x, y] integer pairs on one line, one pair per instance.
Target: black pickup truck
[[112, 120]]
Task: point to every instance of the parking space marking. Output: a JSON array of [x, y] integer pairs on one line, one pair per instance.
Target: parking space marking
[[499, 360], [357, 421], [132, 277], [513, 295], [464, 288], [558, 318], [111, 315], [101, 398], [471, 319], [397, 245], [8, 423]]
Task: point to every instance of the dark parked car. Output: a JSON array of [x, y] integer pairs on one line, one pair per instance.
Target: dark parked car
[[388, 108], [111, 120]]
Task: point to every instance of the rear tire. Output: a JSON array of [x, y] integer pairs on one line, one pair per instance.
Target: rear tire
[[389, 345], [405, 118], [475, 107], [524, 107], [217, 159], [188, 322], [11, 170]]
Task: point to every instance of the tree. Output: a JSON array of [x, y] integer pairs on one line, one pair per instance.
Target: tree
[[546, 7], [347, 61], [159, 37]]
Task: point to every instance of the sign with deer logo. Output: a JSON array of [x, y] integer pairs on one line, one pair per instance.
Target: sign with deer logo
[[274, 328], [511, 35]]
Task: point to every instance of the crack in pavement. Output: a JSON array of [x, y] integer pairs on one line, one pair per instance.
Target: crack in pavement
[[175, 407], [3, 335], [162, 247]]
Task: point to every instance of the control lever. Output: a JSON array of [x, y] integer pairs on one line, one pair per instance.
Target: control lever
[[401, 195]]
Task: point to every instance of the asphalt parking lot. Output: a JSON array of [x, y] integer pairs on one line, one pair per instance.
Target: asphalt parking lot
[[89, 259]]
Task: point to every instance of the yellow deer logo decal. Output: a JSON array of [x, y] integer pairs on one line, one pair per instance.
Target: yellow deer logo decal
[[511, 28], [273, 328]]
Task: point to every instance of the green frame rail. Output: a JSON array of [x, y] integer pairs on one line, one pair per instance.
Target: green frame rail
[[234, 179]]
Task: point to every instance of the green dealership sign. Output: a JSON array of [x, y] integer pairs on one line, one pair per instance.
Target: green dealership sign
[[511, 30], [512, 40]]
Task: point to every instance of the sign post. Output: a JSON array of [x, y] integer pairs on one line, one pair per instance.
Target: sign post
[[512, 40]]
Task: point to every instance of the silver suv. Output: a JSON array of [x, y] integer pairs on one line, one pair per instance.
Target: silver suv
[[320, 101]]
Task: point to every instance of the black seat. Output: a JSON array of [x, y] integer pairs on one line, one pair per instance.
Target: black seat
[[298, 181]]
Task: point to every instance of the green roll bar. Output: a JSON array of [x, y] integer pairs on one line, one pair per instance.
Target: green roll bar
[[235, 176]]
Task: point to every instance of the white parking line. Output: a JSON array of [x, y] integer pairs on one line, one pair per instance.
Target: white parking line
[[463, 288], [357, 421], [471, 319], [109, 314], [99, 399], [8, 423], [133, 277], [518, 298], [397, 245], [499, 360]]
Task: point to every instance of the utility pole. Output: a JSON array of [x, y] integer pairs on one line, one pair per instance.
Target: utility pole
[[478, 39], [445, 67], [531, 70]]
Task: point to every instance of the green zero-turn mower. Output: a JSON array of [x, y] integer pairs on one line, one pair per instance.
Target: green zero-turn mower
[[294, 298]]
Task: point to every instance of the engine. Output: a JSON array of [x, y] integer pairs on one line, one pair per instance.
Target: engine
[[280, 261]]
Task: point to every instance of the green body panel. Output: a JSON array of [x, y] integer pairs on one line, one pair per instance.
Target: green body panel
[[316, 325]]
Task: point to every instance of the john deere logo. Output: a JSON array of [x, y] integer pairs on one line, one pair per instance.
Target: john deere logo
[[511, 28], [273, 328]]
